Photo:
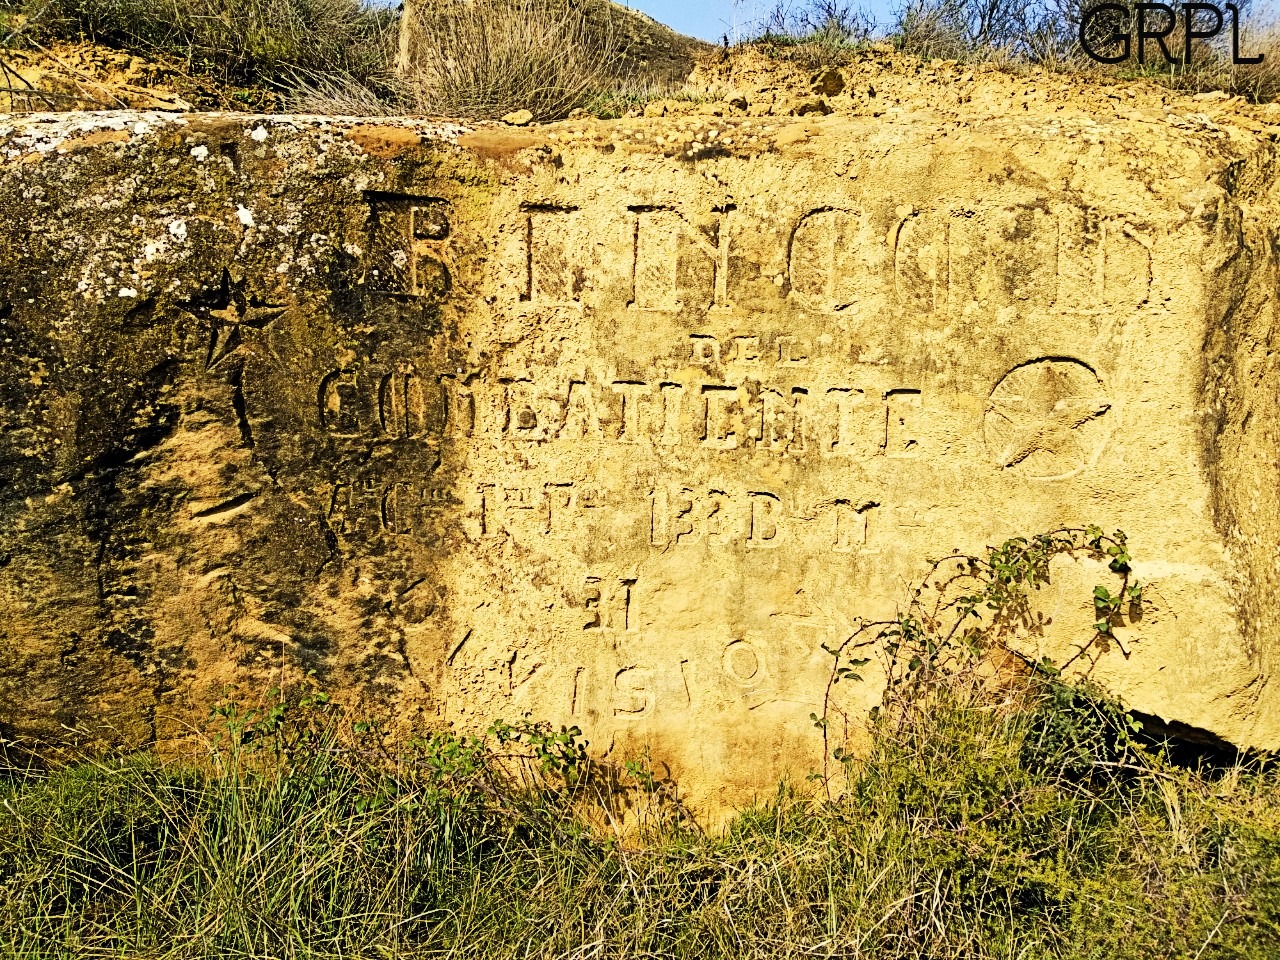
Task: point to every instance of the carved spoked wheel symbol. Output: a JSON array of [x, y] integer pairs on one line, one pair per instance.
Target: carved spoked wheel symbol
[[1047, 419]]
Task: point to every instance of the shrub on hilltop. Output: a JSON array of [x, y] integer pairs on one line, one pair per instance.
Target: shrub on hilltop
[[1021, 33]]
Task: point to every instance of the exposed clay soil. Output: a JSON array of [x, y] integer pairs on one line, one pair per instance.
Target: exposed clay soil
[[746, 81], [66, 75], [880, 82]]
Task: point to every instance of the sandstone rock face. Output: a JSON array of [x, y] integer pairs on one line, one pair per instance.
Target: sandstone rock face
[[619, 423]]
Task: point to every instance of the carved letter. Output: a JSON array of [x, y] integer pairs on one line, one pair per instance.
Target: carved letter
[[792, 351], [404, 408], [490, 522], [553, 257], [853, 526], [922, 261], [719, 404], [459, 406], [742, 664], [631, 392], [559, 497], [899, 436], [408, 251], [591, 603], [856, 432], [671, 396], [522, 422], [782, 421], [746, 349], [765, 512], [632, 687], [581, 421], [656, 264], [706, 350], [340, 403], [396, 515], [825, 252], [656, 258]]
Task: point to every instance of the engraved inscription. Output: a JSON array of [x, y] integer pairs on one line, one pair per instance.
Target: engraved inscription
[[536, 508], [1037, 255], [404, 508], [761, 519], [787, 419], [774, 407]]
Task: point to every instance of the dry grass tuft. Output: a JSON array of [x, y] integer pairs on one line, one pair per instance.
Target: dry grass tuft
[[486, 58], [268, 42]]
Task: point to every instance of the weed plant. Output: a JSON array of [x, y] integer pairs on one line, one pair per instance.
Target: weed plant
[[1027, 823], [487, 58]]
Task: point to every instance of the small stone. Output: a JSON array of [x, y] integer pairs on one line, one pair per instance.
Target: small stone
[[518, 118], [809, 105], [791, 134], [828, 83]]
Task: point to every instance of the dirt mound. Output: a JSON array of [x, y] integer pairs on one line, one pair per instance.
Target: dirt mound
[[651, 48], [748, 80], [89, 76], [880, 82]]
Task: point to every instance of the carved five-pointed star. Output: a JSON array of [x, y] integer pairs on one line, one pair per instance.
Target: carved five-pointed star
[[230, 311], [1055, 433], [1039, 409]]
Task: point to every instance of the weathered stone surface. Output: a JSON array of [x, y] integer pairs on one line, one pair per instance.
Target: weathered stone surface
[[618, 423]]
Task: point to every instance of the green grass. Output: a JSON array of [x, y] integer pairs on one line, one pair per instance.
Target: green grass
[[1024, 822], [276, 43]]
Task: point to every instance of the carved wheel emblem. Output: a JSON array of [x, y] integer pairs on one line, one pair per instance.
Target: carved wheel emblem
[[1047, 419]]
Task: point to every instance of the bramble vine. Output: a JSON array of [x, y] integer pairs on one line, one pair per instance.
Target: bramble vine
[[965, 607], [561, 752]]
